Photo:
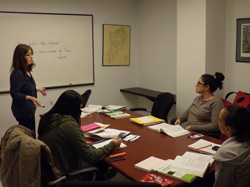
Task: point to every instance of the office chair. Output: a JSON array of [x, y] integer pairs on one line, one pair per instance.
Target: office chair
[[85, 97], [26, 161], [161, 106]]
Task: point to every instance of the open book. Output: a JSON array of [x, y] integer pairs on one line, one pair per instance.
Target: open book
[[171, 130], [165, 168], [146, 120], [204, 146], [185, 168]]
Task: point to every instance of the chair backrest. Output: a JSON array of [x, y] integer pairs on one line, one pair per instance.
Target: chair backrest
[[85, 97], [21, 158], [162, 105]]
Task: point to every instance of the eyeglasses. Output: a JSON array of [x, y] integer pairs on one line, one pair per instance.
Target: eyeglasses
[[200, 83]]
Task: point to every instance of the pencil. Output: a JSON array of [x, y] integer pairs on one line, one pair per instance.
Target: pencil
[[204, 146]]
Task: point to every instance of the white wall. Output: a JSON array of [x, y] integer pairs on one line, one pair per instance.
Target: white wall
[[143, 17], [215, 38], [155, 47], [191, 43], [237, 73], [108, 80], [156, 25]]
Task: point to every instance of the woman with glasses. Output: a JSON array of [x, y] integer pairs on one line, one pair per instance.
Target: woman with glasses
[[203, 113], [23, 88]]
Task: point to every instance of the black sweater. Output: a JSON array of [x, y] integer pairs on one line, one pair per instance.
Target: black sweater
[[22, 85]]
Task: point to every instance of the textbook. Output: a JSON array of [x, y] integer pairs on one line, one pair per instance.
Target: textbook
[[186, 168], [149, 163], [117, 114], [204, 146], [146, 120], [165, 168], [168, 129], [93, 128]]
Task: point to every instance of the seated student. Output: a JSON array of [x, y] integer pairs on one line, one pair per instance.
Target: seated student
[[232, 160], [59, 129], [201, 116]]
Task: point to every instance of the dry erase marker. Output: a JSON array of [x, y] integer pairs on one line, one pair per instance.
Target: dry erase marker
[[118, 154], [42, 105]]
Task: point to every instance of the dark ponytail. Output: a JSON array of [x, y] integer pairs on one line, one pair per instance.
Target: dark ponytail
[[214, 81]]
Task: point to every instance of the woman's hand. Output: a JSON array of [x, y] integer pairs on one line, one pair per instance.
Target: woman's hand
[[42, 90], [117, 142], [177, 122], [34, 100], [188, 127]]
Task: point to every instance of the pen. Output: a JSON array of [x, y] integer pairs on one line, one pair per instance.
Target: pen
[[122, 135], [118, 154], [204, 146], [42, 105], [190, 135]]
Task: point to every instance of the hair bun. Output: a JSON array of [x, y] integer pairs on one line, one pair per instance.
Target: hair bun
[[219, 76]]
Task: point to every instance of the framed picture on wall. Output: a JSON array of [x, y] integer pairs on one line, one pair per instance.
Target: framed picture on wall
[[116, 45], [243, 40]]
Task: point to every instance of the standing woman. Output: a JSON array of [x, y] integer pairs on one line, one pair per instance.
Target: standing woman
[[23, 88]]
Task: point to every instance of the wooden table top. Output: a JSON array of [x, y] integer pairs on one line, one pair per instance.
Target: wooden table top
[[151, 143]]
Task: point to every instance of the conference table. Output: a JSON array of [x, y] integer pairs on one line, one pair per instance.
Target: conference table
[[151, 143]]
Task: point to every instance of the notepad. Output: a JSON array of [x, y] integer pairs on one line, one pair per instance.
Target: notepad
[[203, 146], [146, 120]]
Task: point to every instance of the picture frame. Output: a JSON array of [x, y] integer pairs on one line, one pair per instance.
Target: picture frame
[[116, 45], [243, 40]]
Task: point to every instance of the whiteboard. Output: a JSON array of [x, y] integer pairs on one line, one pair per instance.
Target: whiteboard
[[62, 45]]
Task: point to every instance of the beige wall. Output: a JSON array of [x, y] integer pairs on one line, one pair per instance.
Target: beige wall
[[172, 44]]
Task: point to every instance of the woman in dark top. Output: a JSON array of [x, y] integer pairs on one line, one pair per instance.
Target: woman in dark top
[[23, 88], [59, 129]]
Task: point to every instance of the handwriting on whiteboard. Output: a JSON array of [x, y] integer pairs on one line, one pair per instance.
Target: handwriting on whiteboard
[[55, 48]]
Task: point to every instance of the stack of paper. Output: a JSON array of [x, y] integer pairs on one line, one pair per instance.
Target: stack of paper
[[146, 120], [117, 114], [171, 130], [91, 109], [204, 146], [106, 133], [114, 107], [105, 142]]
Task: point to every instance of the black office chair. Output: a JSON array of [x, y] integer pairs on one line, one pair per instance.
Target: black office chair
[[161, 106], [85, 97]]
